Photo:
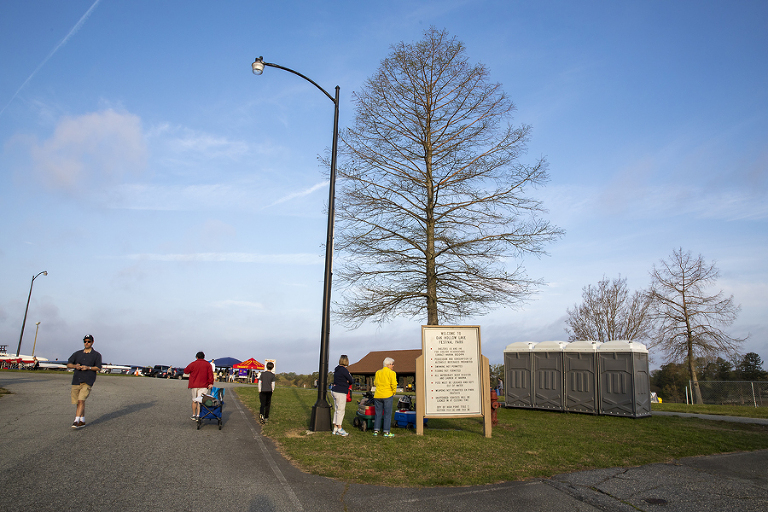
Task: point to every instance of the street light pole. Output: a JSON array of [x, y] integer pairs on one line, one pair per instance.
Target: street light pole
[[320, 420], [45, 273], [35, 343]]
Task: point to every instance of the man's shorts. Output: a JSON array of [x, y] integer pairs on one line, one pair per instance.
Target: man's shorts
[[80, 392], [198, 392]]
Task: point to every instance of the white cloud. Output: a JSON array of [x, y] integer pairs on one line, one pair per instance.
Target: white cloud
[[180, 197], [182, 145], [224, 304], [300, 193], [573, 204], [89, 151], [234, 257]]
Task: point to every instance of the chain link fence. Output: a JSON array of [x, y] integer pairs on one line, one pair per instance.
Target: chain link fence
[[750, 393]]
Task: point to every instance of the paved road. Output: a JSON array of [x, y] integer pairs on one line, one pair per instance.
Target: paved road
[[713, 417], [141, 451]]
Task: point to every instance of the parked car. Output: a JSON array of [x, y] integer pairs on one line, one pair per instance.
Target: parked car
[[159, 370], [148, 371], [175, 373], [134, 370]]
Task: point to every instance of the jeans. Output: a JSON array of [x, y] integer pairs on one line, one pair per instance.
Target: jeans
[[383, 408]]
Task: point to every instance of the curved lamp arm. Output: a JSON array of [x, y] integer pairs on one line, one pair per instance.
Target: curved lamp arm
[[258, 68]]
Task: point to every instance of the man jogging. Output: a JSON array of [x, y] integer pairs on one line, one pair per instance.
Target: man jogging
[[86, 363], [200, 381]]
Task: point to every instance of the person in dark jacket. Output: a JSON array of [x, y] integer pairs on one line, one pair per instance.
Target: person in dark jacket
[[86, 363], [342, 381]]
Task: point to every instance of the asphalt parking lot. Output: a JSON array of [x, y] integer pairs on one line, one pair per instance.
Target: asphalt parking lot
[[141, 451]]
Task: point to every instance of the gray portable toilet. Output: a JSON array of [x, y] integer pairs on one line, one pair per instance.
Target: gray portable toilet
[[624, 384], [580, 358], [548, 375], [518, 371]]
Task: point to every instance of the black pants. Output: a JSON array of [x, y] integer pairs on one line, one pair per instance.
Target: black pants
[[265, 401]]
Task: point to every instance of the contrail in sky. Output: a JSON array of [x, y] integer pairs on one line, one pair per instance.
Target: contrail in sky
[[62, 43]]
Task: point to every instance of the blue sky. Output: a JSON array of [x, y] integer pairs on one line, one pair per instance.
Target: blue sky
[[177, 202]]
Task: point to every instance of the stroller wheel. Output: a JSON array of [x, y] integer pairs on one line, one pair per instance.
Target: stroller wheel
[[364, 426]]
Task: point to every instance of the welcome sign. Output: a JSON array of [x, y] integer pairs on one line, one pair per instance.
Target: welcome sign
[[452, 370]]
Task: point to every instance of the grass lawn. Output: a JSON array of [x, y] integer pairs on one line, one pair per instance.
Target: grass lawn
[[525, 444]]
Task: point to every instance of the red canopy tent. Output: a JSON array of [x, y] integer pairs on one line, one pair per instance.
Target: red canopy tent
[[250, 364]]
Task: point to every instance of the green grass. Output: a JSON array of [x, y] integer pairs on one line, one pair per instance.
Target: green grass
[[726, 410], [525, 444]]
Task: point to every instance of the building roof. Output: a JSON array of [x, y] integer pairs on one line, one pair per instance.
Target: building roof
[[405, 362]]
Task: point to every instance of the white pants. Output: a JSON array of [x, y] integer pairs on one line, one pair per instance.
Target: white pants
[[340, 406]]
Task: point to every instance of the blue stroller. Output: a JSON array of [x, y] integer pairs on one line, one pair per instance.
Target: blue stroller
[[210, 407]]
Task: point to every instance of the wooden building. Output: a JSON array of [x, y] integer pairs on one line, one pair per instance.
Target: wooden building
[[405, 366]]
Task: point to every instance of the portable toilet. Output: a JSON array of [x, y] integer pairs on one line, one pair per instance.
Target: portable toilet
[[624, 383], [518, 371], [548, 375], [580, 359]]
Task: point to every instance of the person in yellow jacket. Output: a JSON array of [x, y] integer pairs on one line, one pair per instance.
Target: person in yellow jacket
[[386, 386]]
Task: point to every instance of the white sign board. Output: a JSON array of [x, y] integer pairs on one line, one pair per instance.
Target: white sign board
[[452, 371]]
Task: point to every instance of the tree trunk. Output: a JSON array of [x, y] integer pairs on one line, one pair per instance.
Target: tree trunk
[[431, 273], [696, 390]]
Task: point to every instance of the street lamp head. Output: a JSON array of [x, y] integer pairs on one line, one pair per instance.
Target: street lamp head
[[45, 272], [258, 66]]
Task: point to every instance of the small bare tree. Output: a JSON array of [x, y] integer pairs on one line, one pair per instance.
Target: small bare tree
[[432, 207], [687, 316], [608, 312]]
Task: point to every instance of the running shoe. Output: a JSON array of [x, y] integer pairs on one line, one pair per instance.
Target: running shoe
[[388, 434]]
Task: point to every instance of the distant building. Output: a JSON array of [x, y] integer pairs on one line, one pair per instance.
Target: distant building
[[405, 367]]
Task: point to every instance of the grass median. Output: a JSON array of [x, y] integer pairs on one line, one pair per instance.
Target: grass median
[[525, 444]]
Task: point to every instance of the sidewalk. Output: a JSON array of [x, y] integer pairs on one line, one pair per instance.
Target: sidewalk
[[713, 417], [735, 482]]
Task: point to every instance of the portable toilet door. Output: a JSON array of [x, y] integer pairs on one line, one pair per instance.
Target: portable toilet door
[[518, 370], [581, 376], [624, 384], [548, 375]]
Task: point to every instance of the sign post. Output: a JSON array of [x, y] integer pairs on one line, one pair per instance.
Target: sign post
[[452, 375]]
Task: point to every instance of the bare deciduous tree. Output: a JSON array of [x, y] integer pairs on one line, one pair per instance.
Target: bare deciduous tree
[[688, 317], [608, 312], [432, 206]]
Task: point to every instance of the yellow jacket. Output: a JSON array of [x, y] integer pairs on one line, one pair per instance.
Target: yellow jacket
[[385, 382]]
